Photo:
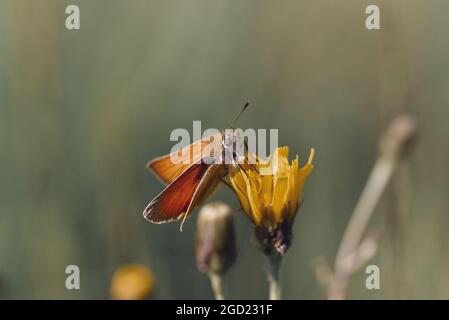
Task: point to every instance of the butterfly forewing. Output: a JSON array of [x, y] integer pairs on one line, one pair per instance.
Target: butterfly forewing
[[168, 170]]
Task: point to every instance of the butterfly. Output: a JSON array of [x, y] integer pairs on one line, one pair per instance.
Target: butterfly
[[194, 177]]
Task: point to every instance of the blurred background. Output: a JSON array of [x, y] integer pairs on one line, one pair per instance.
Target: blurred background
[[81, 112]]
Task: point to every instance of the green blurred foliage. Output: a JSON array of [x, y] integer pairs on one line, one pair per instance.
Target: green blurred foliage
[[81, 112]]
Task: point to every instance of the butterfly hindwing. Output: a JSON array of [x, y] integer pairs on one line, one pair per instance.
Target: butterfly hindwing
[[177, 198]]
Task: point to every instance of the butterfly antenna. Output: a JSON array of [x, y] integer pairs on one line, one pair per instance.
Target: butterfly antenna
[[240, 113]]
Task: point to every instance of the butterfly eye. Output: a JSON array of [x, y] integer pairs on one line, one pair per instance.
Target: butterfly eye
[[228, 142]]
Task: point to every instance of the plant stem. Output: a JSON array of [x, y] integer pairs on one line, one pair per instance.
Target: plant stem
[[216, 281], [371, 194], [274, 277], [354, 251]]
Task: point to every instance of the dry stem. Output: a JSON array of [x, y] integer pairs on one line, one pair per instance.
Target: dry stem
[[354, 251]]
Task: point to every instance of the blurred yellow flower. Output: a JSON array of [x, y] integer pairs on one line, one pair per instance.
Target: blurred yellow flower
[[270, 193], [132, 282]]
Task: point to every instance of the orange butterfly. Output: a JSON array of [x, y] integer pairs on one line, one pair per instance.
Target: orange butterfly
[[193, 179]]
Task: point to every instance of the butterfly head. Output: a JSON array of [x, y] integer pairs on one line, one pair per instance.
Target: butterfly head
[[233, 146]]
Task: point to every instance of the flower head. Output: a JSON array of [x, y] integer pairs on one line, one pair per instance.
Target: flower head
[[215, 238], [270, 193], [132, 282]]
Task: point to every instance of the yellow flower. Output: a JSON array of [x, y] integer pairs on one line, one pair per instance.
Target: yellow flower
[[270, 193], [132, 282]]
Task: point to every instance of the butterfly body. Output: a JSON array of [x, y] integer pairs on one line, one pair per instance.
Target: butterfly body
[[193, 173], [197, 172]]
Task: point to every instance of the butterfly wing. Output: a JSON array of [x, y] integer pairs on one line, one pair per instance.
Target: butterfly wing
[[164, 167], [180, 197]]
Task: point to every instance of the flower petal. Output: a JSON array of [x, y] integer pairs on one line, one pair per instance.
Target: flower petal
[[281, 172], [239, 185], [304, 173], [252, 183], [293, 197]]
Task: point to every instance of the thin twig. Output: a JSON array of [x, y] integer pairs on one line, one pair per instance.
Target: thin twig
[[323, 272], [349, 257], [355, 252], [216, 281]]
